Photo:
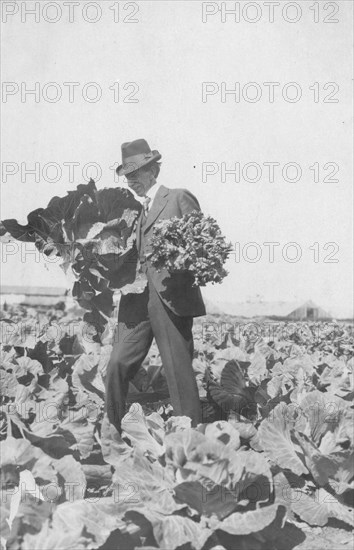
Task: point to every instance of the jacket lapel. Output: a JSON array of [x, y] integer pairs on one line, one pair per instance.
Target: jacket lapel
[[158, 205]]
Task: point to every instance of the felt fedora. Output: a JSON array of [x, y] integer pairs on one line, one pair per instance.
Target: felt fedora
[[136, 154]]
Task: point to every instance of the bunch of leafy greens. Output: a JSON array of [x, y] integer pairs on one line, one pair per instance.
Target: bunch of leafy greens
[[193, 243], [93, 232]]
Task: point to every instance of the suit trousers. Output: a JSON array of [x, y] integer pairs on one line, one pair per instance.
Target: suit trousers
[[142, 317]]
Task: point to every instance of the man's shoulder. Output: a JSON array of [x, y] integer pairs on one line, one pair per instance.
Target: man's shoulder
[[183, 199]]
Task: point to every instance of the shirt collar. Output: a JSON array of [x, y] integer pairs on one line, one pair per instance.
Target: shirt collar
[[151, 193]]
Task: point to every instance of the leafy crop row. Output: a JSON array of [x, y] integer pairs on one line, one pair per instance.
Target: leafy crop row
[[276, 444]]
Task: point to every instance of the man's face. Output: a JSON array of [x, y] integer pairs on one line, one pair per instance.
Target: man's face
[[140, 180]]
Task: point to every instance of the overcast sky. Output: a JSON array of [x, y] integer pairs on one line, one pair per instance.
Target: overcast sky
[[166, 56]]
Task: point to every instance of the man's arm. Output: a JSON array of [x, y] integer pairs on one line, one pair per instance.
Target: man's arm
[[188, 202]]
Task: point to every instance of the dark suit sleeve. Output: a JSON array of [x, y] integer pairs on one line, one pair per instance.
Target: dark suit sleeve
[[187, 202]]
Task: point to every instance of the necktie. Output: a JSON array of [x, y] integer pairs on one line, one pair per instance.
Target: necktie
[[146, 206]]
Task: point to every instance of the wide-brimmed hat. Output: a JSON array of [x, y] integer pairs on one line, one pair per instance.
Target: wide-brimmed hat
[[136, 154]]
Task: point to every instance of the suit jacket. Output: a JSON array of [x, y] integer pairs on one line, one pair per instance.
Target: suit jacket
[[174, 289]]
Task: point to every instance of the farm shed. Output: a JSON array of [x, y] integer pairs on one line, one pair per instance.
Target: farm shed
[[31, 296], [294, 311], [309, 311]]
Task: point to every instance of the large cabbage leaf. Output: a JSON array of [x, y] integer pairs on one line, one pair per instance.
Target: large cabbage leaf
[[93, 233], [252, 521], [77, 525], [276, 438], [318, 508]]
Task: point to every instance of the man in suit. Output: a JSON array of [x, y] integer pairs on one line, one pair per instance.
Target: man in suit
[[166, 308]]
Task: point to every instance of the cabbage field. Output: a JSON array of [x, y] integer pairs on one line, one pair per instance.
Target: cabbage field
[[270, 467]]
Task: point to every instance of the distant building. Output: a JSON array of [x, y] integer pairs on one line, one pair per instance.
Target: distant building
[[295, 311], [31, 296]]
